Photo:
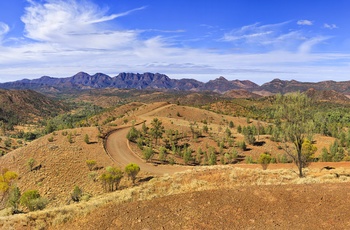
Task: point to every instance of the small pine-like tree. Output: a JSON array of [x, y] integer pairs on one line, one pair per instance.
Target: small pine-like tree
[[86, 139], [148, 153]]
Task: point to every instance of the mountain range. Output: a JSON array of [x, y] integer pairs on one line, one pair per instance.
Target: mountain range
[[83, 80]]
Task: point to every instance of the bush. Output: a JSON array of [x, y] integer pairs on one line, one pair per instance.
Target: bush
[[32, 200], [133, 134], [111, 178], [264, 160], [13, 201], [242, 145], [86, 139], [132, 170], [76, 194], [148, 153], [29, 136], [249, 160], [50, 139], [30, 163], [91, 164]]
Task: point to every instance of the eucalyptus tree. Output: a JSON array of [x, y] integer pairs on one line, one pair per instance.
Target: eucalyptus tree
[[296, 114]]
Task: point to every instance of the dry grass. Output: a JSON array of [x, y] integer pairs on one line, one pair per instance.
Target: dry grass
[[198, 179]]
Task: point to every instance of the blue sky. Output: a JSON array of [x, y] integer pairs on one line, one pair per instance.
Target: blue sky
[[238, 39]]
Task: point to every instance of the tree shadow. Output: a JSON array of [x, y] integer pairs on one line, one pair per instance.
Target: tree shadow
[[146, 179], [259, 143]]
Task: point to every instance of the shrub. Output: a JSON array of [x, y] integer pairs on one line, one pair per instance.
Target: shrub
[[32, 200], [171, 161], [242, 145], [8, 142], [111, 178], [133, 134], [13, 201], [92, 176], [76, 194], [249, 160], [264, 160], [212, 158], [148, 153], [132, 170], [86, 139], [30, 163], [29, 136], [162, 153], [91, 164], [70, 138], [50, 139]]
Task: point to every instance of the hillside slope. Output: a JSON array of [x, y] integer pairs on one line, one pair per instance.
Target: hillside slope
[[26, 105]]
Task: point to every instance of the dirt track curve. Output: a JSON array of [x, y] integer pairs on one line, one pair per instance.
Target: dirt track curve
[[117, 147]]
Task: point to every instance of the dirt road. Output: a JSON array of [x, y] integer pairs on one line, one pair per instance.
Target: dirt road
[[117, 147]]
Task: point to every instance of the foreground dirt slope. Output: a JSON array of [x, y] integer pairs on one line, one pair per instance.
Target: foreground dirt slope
[[313, 206]]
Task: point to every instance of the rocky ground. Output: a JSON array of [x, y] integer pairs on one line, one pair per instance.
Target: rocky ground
[[313, 206]]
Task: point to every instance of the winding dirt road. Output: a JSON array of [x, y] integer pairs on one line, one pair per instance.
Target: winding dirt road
[[117, 147]]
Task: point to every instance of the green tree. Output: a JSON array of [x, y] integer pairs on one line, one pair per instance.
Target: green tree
[[228, 133], [162, 153], [144, 128], [32, 200], [13, 201], [133, 134], [295, 110], [212, 156], [157, 129], [308, 150], [264, 160], [187, 156], [111, 178], [249, 134], [132, 170], [86, 139], [148, 153]]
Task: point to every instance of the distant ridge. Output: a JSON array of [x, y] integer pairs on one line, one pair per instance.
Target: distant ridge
[[83, 80]]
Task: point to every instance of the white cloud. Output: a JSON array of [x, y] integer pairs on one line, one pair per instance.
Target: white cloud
[[305, 22], [65, 37], [265, 38], [306, 46], [4, 29], [73, 24], [330, 26], [253, 33]]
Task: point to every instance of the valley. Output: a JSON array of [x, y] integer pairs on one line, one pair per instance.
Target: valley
[[199, 153]]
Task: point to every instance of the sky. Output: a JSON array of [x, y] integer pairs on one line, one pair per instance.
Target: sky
[[201, 39]]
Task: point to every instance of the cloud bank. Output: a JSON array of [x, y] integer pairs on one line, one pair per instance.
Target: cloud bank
[[61, 38]]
